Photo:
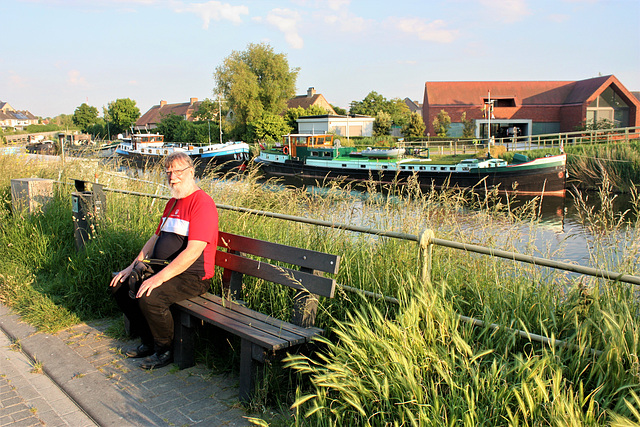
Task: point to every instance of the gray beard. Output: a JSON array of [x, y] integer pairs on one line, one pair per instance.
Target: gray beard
[[180, 193]]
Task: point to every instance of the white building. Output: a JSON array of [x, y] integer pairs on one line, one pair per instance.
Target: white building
[[347, 126]]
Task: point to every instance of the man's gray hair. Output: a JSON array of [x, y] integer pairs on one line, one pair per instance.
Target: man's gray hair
[[178, 156]]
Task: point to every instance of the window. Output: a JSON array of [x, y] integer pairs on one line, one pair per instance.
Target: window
[[502, 102], [608, 106]]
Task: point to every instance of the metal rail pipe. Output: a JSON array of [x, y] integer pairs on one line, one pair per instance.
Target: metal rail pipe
[[574, 268]]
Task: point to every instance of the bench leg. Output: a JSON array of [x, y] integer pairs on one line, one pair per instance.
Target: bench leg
[[247, 379], [183, 340]]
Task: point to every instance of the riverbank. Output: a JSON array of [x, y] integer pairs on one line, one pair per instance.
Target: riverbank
[[383, 362]]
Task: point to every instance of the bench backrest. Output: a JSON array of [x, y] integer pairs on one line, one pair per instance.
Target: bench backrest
[[308, 279]]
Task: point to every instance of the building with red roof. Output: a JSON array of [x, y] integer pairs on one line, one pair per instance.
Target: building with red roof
[[309, 100], [154, 116], [532, 108]]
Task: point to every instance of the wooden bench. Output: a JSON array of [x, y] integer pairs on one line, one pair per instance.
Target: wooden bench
[[261, 336]]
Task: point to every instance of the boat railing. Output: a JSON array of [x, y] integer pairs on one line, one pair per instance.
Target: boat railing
[[426, 242], [525, 142]]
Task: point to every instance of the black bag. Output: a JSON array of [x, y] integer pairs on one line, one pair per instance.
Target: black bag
[[141, 272]]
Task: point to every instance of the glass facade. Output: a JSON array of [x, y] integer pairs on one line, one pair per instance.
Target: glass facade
[[608, 106]]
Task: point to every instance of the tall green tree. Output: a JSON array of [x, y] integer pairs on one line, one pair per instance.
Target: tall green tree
[[269, 128], [469, 127], [370, 105], [442, 123], [122, 114], [256, 81], [373, 103], [85, 116], [382, 124], [208, 110], [415, 127]]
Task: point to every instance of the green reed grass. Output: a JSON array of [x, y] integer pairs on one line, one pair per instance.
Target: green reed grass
[[382, 364]]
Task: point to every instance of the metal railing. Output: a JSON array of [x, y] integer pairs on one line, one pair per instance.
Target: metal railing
[[426, 241], [527, 142]]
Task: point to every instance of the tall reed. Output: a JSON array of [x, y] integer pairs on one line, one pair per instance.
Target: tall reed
[[383, 364]]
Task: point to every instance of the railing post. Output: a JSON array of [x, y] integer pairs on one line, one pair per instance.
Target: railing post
[[425, 252]]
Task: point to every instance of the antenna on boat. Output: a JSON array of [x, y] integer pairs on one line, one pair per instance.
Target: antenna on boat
[[220, 114]]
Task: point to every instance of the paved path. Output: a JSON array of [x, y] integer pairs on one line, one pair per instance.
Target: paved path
[[79, 378]]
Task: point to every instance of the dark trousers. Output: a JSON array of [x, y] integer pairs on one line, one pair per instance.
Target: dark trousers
[[150, 317]]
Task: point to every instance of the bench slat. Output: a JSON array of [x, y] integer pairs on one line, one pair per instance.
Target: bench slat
[[274, 327], [236, 327], [295, 329], [295, 279], [302, 257], [273, 334]]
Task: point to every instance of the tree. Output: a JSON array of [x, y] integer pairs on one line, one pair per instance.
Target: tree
[[256, 81], [208, 110], [382, 124], [64, 120], [270, 127], [169, 126], [415, 126], [293, 114], [374, 103], [469, 128], [370, 105], [85, 116], [122, 114], [339, 111], [442, 123]]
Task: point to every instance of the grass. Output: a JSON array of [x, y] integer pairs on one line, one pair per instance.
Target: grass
[[590, 165], [414, 363]]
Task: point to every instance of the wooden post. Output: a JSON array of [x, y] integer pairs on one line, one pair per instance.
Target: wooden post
[[425, 253]]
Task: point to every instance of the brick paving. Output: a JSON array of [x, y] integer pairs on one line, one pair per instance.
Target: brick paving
[[86, 381]]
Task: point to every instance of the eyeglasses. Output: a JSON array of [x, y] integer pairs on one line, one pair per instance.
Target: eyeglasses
[[177, 172]]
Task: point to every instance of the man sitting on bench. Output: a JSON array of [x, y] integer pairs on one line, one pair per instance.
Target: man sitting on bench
[[187, 239]]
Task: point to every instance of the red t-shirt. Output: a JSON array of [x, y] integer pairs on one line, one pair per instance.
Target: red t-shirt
[[193, 218]]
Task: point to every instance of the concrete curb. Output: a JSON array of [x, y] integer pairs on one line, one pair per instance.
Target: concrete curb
[[89, 388]]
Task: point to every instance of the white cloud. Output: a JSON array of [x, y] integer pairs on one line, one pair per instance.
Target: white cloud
[[337, 4], [75, 79], [507, 10], [433, 31], [216, 11], [286, 21]]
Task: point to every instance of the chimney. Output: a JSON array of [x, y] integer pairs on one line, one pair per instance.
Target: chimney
[[310, 92], [163, 103], [193, 100]]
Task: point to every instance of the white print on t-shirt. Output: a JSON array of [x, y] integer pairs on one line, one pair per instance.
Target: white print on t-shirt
[[176, 225]]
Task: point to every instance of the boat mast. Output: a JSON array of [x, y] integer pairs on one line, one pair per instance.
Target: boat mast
[[220, 113], [489, 114]]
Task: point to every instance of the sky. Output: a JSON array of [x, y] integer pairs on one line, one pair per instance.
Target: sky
[[58, 54]]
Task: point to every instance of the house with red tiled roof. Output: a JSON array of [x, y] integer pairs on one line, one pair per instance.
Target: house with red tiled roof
[[532, 108], [154, 116], [310, 99], [12, 118]]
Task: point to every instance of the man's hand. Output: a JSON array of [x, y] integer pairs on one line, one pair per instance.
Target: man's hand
[[178, 265], [121, 276], [148, 285]]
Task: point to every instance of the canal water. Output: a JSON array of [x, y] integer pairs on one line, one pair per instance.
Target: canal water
[[575, 228]]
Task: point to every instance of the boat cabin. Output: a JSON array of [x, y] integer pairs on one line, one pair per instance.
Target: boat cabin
[[292, 141], [140, 140]]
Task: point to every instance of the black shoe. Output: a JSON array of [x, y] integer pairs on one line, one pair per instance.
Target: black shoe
[[157, 360], [142, 350]]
